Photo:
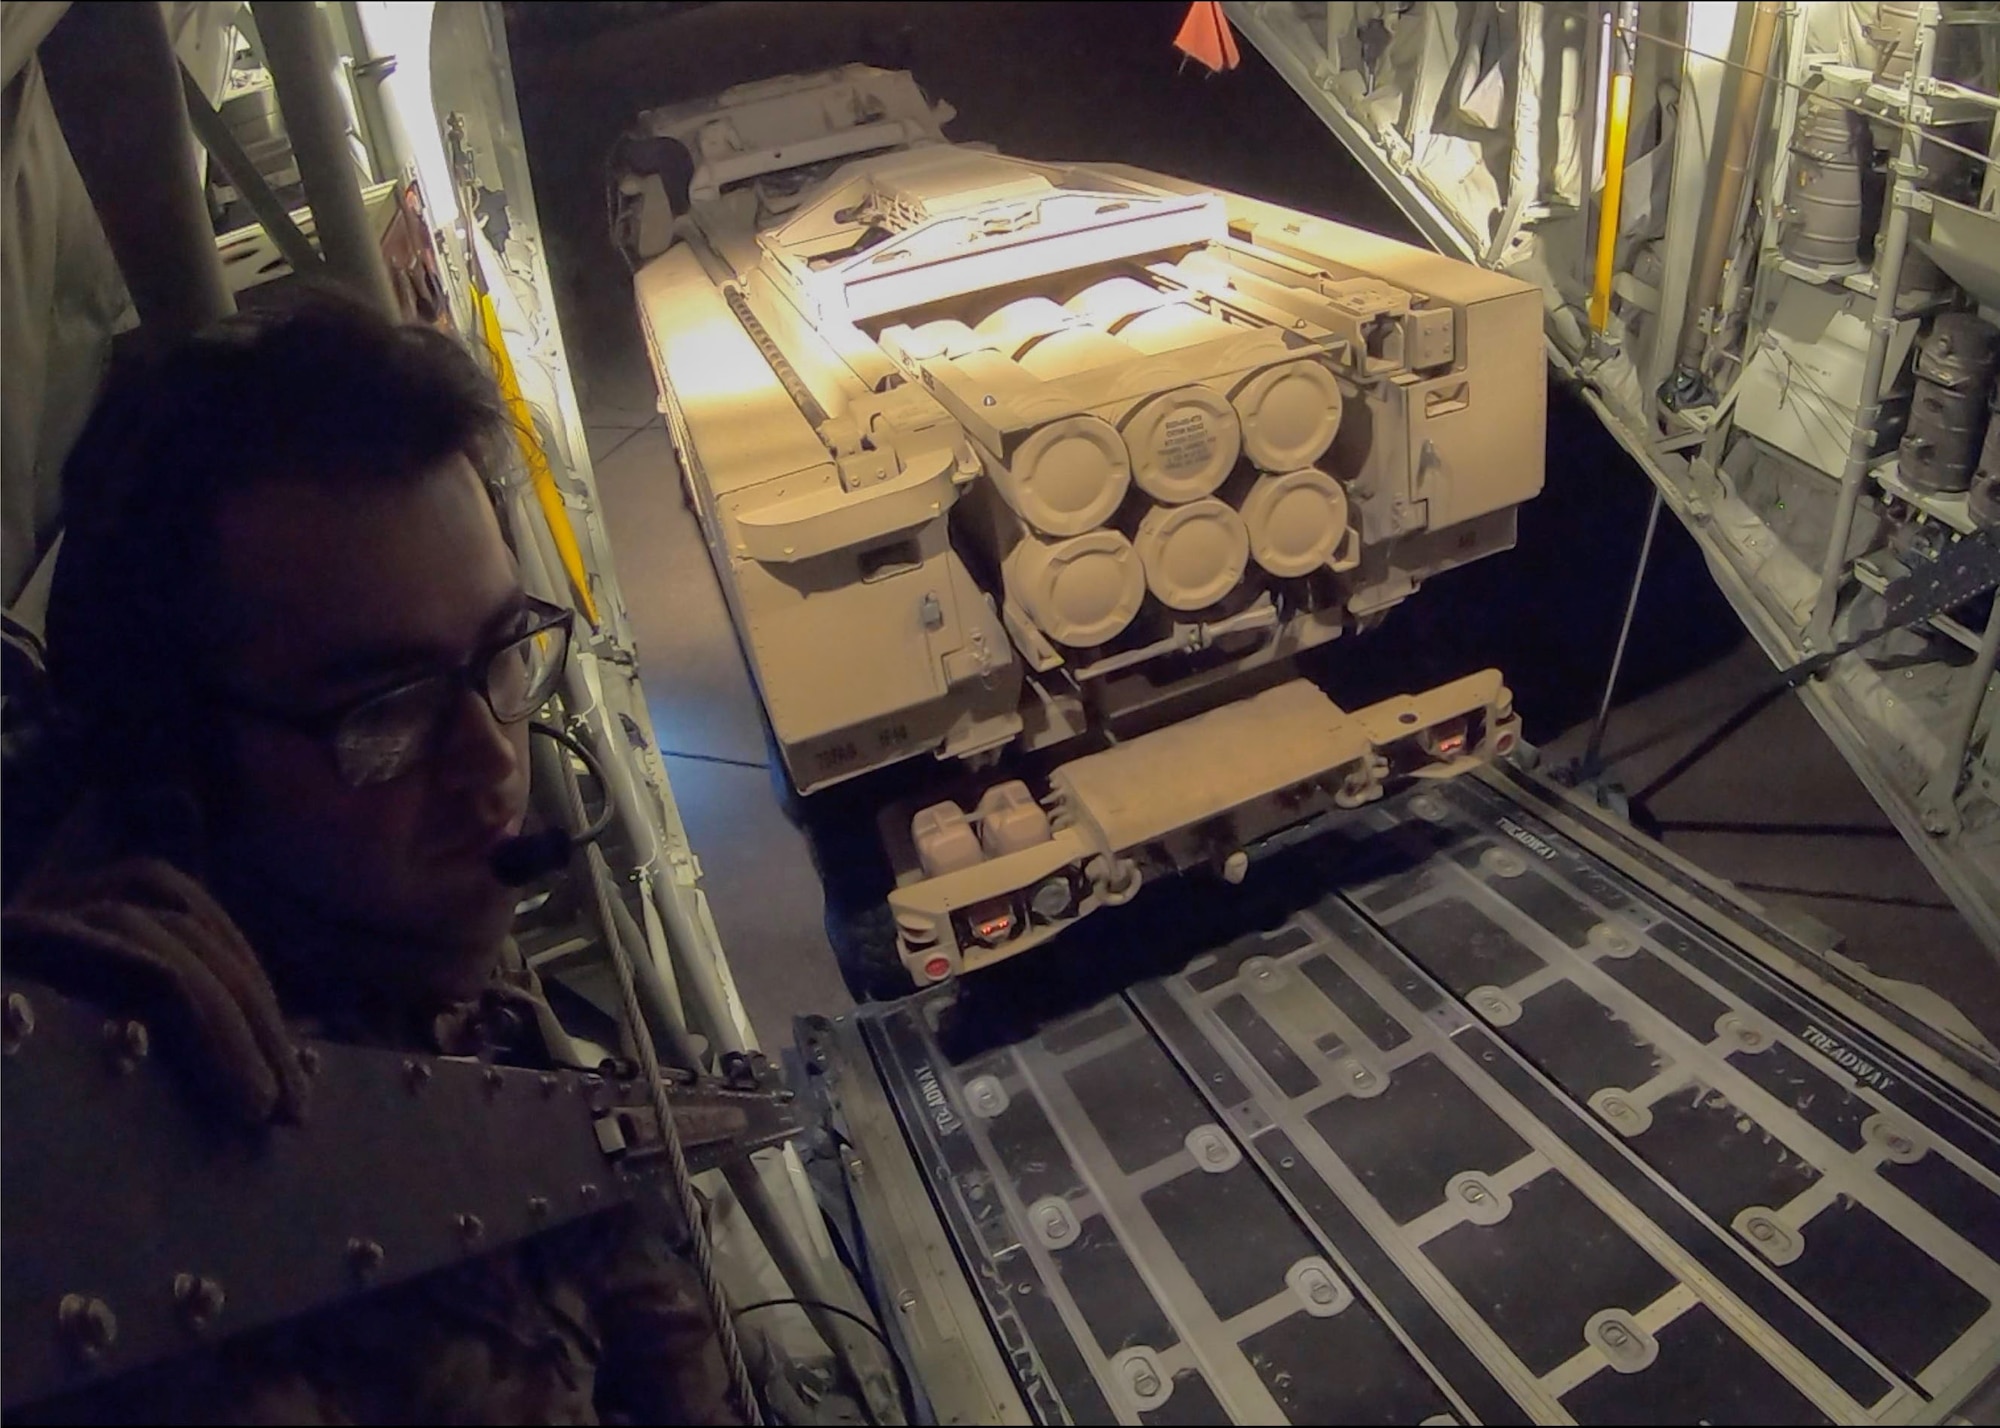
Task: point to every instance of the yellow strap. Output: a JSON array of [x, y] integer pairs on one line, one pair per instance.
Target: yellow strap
[[539, 474], [1616, 121]]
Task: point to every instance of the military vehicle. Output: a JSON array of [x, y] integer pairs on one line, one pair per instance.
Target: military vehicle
[[1468, 1104], [1042, 475]]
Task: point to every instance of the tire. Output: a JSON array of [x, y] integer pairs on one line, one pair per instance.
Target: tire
[[863, 938], [854, 878]]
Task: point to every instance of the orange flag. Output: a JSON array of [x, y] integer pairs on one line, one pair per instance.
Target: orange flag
[[1205, 36]]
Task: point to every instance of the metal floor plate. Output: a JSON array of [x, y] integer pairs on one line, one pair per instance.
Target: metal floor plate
[[1487, 1135]]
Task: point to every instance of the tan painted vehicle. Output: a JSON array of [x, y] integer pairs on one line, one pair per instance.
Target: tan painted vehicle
[[1030, 481], [1483, 1108]]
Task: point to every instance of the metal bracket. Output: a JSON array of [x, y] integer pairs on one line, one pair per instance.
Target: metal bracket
[[1962, 570], [131, 1206], [1906, 194]]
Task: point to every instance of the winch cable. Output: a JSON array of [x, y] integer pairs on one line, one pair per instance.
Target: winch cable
[[693, 1213]]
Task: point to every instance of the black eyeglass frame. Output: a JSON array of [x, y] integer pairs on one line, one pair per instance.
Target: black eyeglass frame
[[474, 675]]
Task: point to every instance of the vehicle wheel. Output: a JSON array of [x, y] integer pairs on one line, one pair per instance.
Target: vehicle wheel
[[864, 943], [854, 880], [854, 876]]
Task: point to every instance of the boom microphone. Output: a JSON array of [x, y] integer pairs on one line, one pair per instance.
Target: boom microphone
[[519, 860]]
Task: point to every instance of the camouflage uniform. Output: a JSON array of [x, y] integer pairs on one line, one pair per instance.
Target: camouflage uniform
[[597, 1321], [600, 1320]]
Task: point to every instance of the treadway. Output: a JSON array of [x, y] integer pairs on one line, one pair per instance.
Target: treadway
[[1494, 1114]]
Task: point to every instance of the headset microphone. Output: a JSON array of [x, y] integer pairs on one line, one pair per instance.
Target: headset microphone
[[521, 859]]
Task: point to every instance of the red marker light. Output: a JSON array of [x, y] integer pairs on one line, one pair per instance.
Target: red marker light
[[937, 968]]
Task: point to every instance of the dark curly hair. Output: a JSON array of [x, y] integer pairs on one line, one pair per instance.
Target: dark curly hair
[[323, 390]]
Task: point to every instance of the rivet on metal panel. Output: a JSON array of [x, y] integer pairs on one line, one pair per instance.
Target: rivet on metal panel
[[17, 1023], [1503, 862], [1494, 1005], [1361, 1080], [1741, 1033], [1626, 1347], [908, 1302], [1212, 1149], [1139, 1369], [985, 1096], [88, 1325], [1485, 1203], [1770, 1238], [1898, 1142], [198, 1298], [1322, 1292], [364, 1256], [471, 1228], [1053, 1222], [588, 1193], [538, 1207], [415, 1074], [1620, 1112], [550, 1083], [1261, 970], [1612, 941], [1429, 808]]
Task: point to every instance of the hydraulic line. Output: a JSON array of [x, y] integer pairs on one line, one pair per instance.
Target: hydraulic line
[[299, 51], [1723, 217], [1881, 328]]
